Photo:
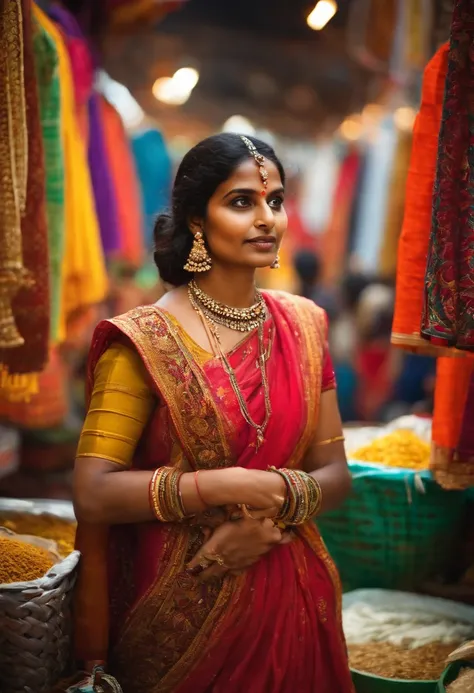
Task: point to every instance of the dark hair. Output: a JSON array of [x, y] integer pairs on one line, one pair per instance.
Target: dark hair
[[308, 268], [202, 170]]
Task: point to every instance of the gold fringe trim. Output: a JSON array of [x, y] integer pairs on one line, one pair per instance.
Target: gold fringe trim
[[18, 387], [449, 471]]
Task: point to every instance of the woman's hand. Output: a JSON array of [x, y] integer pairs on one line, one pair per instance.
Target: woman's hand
[[238, 486], [235, 546]]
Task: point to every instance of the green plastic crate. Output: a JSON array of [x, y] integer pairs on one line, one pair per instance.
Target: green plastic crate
[[397, 529]]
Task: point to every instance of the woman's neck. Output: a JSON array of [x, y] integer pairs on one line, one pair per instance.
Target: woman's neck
[[233, 287]]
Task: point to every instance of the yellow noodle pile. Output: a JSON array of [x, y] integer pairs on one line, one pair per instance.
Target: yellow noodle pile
[[401, 448]]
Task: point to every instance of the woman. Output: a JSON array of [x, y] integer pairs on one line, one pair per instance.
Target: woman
[[212, 439]]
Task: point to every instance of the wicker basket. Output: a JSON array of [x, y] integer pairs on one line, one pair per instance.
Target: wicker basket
[[36, 619]]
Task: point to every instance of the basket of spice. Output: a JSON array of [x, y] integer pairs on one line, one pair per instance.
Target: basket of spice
[[459, 674], [38, 570], [400, 642], [398, 528]]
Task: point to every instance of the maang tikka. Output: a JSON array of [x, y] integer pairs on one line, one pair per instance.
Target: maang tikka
[[260, 161], [199, 259]]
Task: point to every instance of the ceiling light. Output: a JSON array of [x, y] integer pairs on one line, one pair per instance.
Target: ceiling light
[[323, 12]]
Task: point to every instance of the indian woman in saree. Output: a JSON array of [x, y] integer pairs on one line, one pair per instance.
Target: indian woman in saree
[[212, 441]]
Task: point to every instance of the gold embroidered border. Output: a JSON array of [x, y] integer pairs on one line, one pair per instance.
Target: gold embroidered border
[[309, 323], [200, 426], [449, 471]]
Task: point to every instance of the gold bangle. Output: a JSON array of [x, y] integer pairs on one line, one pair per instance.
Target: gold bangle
[[328, 441]]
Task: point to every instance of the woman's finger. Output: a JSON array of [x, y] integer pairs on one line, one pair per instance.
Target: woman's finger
[[259, 514], [215, 572]]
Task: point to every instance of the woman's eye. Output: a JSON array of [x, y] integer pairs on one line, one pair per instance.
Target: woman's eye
[[276, 202], [241, 202]]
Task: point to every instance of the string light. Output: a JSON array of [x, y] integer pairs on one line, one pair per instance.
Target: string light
[[176, 90], [323, 12]]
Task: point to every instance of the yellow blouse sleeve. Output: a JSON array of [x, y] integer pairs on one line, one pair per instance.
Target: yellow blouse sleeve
[[120, 407]]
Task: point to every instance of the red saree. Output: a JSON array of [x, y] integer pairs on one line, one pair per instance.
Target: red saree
[[277, 627]]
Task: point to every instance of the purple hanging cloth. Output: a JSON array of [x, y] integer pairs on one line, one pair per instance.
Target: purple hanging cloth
[[83, 73]]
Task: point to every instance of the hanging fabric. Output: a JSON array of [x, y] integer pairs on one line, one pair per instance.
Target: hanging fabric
[[125, 181], [49, 89], [413, 243], [448, 307], [452, 458], [13, 167], [84, 276], [334, 243], [374, 195], [31, 305], [395, 206]]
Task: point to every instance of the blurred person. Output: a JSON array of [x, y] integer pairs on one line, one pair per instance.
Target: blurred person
[[308, 267], [375, 358], [201, 567], [343, 342]]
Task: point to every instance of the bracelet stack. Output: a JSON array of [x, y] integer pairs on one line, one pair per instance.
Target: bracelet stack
[[304, 496], [165, 497]]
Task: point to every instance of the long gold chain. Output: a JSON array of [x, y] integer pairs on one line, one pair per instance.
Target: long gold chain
[[262, 359]]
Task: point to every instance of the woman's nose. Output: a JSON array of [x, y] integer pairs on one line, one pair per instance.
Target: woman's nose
[[264, 217]]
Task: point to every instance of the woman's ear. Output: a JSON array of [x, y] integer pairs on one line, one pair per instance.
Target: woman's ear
[[195, 225]]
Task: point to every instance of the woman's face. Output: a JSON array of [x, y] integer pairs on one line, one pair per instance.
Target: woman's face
[[243, 227]]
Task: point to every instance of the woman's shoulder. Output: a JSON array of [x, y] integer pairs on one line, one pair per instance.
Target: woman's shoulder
[[285, 299]]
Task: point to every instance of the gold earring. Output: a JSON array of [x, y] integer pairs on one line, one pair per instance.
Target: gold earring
[[276, 264], [199, 259]]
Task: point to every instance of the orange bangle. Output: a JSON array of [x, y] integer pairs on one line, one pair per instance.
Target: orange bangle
[[198, 490]]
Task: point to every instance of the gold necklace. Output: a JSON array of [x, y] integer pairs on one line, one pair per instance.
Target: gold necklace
[[262, 363], [239, 319]]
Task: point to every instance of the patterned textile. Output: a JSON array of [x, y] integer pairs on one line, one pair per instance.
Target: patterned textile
[[31, 305], [46, 62], [448, 312], [13, 165], [414, 238]]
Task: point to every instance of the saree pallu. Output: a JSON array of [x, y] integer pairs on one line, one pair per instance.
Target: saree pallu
[[452, 457], [168, 632], [448, 309], [31, 305], [414, 238]]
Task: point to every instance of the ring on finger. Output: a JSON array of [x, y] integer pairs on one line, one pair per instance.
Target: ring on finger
[[215, 558]]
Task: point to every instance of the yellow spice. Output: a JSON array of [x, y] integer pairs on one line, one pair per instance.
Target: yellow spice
[[401, 448]]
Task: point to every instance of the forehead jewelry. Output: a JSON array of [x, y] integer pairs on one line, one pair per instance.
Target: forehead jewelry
[[259, 160]]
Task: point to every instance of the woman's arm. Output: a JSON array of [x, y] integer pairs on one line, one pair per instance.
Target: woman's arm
[[326, 461], [107, 491]]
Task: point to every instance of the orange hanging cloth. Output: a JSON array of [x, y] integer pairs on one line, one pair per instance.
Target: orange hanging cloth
[[125, 181], [452, 457], [414, 239]]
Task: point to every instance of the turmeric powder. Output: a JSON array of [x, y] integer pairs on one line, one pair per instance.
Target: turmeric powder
[[20, 562], [46, 526]]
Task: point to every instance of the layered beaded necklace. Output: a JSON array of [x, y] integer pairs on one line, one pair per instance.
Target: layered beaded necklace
[[239, 319], [212, 314]]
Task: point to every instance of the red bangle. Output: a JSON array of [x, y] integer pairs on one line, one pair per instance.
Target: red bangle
[[198, 490]]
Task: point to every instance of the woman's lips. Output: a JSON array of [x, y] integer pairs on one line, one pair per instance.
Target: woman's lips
[[263, 244]]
